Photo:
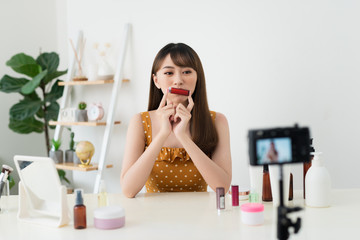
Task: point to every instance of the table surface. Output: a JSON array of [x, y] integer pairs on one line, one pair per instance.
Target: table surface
[[193, 216]]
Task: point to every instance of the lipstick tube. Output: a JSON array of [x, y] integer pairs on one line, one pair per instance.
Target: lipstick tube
[[235, 195], [179, 91]]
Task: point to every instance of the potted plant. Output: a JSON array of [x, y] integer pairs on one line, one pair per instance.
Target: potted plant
[[65, 181], [70, 153], [81, 113], [55, 153], [39, 90]]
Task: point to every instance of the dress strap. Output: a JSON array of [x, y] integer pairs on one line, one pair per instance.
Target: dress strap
[[213, 115], [146, 121]]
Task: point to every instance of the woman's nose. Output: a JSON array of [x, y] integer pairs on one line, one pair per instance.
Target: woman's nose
[[178, 80]]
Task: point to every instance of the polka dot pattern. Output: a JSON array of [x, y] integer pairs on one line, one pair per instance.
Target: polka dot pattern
[[173, 170]]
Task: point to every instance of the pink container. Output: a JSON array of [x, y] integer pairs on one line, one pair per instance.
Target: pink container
[[252, 213], [111, 217]]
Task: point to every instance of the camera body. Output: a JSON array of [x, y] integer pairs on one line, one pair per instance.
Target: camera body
[[279, 145]]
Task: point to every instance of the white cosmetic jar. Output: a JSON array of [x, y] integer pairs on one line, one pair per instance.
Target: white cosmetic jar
[[110, 217], [252, 213]]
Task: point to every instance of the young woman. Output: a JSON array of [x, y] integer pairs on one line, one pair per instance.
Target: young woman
[[179, 144]]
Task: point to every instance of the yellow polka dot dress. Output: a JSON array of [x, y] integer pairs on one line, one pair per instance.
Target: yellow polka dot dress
[[173, 170]]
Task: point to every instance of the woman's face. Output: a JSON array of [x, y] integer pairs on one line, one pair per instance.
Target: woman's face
[[171, 75]]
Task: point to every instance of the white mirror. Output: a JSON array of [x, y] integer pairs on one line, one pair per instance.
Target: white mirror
[[42, 197]]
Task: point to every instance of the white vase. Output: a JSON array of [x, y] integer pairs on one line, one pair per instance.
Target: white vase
[[318, 184]]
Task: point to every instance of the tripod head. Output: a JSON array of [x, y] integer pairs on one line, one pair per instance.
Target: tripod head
[[284, 223]]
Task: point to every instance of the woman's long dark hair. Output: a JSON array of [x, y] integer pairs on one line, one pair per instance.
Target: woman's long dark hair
[[202, 128]]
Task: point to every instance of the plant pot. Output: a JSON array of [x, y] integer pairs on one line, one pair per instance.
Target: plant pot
[[57, 156], [70, 156], [81, 115]]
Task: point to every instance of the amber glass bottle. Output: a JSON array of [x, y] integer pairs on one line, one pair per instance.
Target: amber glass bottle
[[266, 191], [291, 189], [79, 211]]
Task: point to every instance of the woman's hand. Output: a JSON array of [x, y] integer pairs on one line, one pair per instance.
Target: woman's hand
[[164, 113], [182, 118]]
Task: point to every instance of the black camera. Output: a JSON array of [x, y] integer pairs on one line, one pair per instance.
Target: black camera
[[279, 145]]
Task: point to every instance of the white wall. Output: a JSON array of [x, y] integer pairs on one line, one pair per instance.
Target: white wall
[[25, 26], [267, 63]]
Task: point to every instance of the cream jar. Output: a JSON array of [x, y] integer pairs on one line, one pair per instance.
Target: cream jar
[[252, 213], [109, 217]]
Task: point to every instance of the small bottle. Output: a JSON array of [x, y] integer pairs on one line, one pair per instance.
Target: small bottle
[[318, 184], [307, 164], [266, 190], [220, 198], [102, 196], [291, 189], [79, 210]]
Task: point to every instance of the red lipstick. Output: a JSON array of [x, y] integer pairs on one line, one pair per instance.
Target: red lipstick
[[179, 91]]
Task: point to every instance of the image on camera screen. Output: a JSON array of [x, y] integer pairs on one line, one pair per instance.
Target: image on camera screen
[[273, 150]]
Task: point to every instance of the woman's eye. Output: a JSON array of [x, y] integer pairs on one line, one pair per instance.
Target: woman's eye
[[168, 73], [187, 72]]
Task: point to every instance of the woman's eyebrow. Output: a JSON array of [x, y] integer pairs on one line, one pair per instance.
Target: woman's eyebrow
[[168, 67]]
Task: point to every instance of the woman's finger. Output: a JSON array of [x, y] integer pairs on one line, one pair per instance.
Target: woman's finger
[[163, 100], [191, 103]]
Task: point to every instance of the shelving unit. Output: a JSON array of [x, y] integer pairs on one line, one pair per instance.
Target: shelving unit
[[109, 123], [89, 124], [76, 167]]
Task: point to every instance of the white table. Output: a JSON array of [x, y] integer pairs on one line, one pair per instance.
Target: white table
[[194, 216]]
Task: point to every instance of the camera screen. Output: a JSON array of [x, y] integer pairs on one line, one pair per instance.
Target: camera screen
[[273, 150]]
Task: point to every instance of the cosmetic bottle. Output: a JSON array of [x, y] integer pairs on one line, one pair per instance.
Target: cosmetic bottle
[[266, 188], [307, 165], [291, 189], [102, 195], [220, 198], [235, 195], [318, 184], [79, 210]]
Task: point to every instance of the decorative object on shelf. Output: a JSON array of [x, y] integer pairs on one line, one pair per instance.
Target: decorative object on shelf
[[70, 153], [95, 112], [55, 153], [105, 71], [84, 151], [38, 105], [68, 115], [81, 113], [80, 75]]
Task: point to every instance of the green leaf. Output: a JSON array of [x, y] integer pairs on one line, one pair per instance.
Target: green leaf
[[48, 61], [52, 111], [40, 113], [34, 83], [10, 84], [55, 93], [26, 126], [25, 109], [53, 75], [24, 64], [62, 176], [56, 144], [11, 181]]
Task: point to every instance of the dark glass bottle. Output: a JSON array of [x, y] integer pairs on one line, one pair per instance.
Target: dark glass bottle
[[79, 211], [291, 189], [266, 191]]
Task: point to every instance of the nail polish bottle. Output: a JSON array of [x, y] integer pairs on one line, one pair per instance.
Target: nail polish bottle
[[79, 210], [266, 190]]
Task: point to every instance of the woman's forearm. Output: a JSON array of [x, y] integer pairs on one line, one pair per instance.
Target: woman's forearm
[[214, 175], [133, 180]]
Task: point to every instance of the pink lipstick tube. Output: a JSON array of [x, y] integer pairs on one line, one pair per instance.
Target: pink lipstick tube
[[179, 91], [235, 195]]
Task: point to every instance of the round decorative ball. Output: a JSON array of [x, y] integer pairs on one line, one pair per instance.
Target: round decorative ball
[[84, 151]]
